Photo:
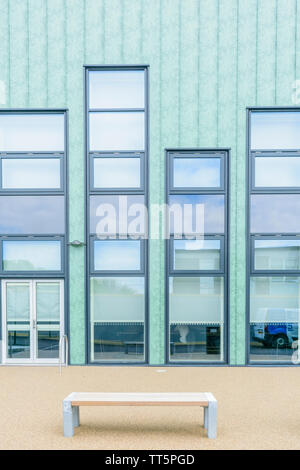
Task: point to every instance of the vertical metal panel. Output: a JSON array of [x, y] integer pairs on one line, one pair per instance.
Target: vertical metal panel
[[75, 57], [170, 56], [285, 51], [94, 32], [5, 53], [208, 64], [226, 126], [245, 93], [188, 69], [19, 54], [297, 43], [113, 18], [37, 53], [56, 53], [266, 52], [151, 54], [132, 32]]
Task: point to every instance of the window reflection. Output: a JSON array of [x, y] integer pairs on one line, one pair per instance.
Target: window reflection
[[275, 213], [117, 255], [110, 89], [196, 309], [196, 214], [196, 255], [114, 214], [117, 131], [32, 132], [31, 255], [117, 172], [277, 254], [34, 173], [275, 130], [32, 215], [277, 172], [197, 172], [274, 317], [117, 318]]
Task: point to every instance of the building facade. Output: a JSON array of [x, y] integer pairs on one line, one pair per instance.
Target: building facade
[[150, 102]]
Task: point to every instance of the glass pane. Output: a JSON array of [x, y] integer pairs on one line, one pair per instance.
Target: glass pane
[[275, 213], [277, 172], [48, 302], [117, 319], [118, 215], [116, 89], [117, 131], [275, 130], [47, 343], [277, 254], [31, 132], [31, 255], [18, 344], [274, 317], [117, 172], [34, 173], [32, 215], [196, 214], [195, 255], [17, 303], [48, 319], [196, 312], [18, 320], [117, 255], [197, 172]]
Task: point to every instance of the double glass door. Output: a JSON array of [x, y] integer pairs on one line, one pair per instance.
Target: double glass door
[[33, 320]]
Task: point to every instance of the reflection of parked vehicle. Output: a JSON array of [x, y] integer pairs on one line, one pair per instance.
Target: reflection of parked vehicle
[[279, 330]]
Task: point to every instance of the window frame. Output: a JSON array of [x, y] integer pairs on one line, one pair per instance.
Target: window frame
[[31, 238], [250, 236], [190, 154], [169, 191], [51, 275], [117, 190], [276, 238], [34, 156], [39, 111], [117, 272], [91, 191], [270, 189], [269, 109], [172, 269]]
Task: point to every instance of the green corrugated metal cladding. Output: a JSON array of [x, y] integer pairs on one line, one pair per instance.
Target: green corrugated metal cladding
[[208, 60]]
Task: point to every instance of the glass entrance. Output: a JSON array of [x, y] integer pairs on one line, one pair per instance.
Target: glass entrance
[[33, 314]]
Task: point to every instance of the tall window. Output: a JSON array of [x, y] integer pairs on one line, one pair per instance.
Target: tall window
[[197, 255], [274, 233], [117, 197], [32, 233]]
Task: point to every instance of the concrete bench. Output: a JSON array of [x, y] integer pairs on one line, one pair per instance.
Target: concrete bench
[[73, 401]]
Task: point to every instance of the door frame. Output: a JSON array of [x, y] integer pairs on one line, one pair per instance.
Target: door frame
[[33, 360]]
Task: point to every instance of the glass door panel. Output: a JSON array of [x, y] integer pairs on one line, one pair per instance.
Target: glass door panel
[[48, 319], [33, 314], [17, 298]]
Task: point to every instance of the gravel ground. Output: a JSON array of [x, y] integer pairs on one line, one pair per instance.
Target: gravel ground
[[258, 408]]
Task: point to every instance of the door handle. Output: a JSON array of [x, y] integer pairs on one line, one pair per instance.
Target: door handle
[[33, 324]]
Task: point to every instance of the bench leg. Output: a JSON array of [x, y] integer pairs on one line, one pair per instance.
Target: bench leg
[[212, 419], [205, 416], [76, 418], [68, 419]]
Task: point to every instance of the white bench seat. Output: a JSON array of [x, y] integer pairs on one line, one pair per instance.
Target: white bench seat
[[73, 401]]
